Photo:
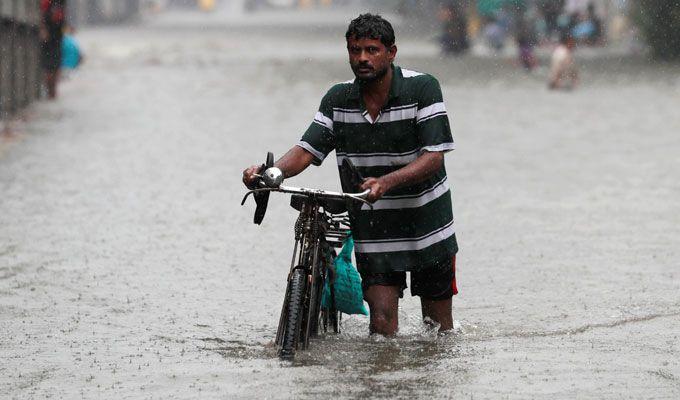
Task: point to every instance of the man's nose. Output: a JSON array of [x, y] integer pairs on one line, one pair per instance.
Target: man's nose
[[363, 56]]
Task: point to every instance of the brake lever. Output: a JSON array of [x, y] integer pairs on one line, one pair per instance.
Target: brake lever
[[254, 191]]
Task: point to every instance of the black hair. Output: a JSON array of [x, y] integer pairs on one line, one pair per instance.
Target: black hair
[[371, 26]]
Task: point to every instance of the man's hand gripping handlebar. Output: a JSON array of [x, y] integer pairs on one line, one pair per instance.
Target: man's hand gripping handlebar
[[270, 181]]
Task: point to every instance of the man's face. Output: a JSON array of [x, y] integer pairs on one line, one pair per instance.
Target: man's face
[[369, 58]]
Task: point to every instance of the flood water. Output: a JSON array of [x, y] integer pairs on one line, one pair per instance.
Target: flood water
[[128, 269]]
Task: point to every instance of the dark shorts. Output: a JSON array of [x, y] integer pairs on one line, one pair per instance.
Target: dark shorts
[[434, 282]]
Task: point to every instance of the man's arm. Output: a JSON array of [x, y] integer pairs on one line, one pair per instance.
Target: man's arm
[[434, 135], [292, 163], [416, 171]]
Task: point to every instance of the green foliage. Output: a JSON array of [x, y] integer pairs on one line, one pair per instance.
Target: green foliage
[[659, 21]]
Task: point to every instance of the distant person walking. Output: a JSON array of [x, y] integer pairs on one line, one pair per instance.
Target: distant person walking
[[525, 44], [51, 26], [563, 71]]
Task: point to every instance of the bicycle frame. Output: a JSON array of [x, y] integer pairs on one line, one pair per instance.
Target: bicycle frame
[[316, 231], [321, 225]]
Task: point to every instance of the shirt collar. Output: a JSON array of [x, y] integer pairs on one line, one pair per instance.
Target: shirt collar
[[395, 85]]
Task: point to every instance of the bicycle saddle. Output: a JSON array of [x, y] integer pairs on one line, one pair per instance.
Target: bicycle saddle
[[332, 206]]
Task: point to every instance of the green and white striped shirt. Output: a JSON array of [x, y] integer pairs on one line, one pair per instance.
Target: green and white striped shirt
[[411, 226]]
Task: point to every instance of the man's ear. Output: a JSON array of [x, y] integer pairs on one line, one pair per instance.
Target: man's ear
[[393, 51]]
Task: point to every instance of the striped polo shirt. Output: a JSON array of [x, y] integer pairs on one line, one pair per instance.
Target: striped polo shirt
[[410, 226]]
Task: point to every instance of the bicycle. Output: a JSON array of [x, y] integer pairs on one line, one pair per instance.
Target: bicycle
[[322, 225]]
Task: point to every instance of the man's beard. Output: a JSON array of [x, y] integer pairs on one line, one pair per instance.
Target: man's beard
[[376, 77]]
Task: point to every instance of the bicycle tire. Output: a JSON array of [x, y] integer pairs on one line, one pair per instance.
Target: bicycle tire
[[294, 315]]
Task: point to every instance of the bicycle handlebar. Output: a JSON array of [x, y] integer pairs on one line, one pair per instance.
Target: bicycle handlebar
[[272, 183], [313, 193]]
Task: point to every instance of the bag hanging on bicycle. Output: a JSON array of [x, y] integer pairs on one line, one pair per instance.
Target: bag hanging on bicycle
[[349, 297]]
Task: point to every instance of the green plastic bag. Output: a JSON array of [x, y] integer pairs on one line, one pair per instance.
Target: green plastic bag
[[349, 297]]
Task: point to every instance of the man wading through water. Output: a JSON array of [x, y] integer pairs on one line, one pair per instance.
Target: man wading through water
[[392, 124]]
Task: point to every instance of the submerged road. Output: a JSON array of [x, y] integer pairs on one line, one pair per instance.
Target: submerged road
[[129, 270]]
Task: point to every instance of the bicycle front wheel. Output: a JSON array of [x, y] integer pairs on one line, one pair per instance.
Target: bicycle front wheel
[[294, 315]]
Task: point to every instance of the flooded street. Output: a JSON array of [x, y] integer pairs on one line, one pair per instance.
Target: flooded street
[[128, 269]]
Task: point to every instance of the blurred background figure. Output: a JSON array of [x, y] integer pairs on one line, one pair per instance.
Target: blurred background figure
[[53, 13], [206, 5], [583, 22], [551, 10], [255, 5], [454, 38], [496, 31], [526, 40], [589, 27], [563, 71], [71, 55]]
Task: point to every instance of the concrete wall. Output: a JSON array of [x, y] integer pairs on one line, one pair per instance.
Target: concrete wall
[[20, 74]]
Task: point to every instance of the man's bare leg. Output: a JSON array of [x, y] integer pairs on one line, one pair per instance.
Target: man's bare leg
[[383, 302], [51, 81], [439, 311]]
